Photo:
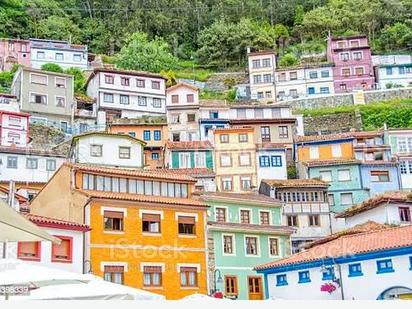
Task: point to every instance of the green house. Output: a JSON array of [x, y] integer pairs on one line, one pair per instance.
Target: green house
[[190, 154], [244, 230]]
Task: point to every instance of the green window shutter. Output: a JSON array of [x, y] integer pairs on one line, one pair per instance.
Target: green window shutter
[[192, 159], [175, 159], [209, 160]]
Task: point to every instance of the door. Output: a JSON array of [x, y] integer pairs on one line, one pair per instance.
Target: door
[[255, 288]]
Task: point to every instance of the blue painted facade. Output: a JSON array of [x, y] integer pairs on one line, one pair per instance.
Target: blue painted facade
[[380, 184], [207, 125]]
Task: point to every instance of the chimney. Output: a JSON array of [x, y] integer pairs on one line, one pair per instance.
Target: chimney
[[248, 50]]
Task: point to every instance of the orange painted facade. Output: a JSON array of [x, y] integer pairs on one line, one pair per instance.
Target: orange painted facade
[[325, 151]]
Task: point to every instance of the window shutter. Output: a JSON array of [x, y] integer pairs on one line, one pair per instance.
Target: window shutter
[[186, 220], [152, 269], [188, 269], [113, 214], [28, 248], [151, 217], [113, 269], [62, 251]]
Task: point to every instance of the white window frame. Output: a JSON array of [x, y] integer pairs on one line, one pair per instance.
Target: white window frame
[[60, 96], [326, 171], [345, 179], [257, 245], [336, 150], [63, 78], [313, 155], [38, 93], [279, 250], [233, 244], [250, 215], [39, 74], [227, 212], [270, 216]]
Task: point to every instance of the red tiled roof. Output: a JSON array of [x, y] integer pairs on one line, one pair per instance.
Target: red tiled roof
[[56, 223], [20, 198], [189, 145], [330, 162], [271, 145], [262, 121], [144, 198], [295, 183], [181, 84], [326, 137], [195, 172], [253, 228], [379, 162], [372, 241], [242, 197], [166, 174], [388, 197]]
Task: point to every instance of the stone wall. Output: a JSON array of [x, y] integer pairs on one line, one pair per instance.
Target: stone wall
[[223, 81], [332, 123]]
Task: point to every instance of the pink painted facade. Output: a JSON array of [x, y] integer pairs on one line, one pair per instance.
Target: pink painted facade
[[14, 51], [353, 68]]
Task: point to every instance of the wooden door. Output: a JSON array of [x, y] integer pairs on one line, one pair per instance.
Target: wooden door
[[255, 288]]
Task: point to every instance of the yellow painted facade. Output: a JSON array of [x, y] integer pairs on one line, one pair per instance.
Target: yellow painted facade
[[235, 145], [342, 150]]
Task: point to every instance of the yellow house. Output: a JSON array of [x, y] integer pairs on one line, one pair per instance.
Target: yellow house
[[235, 159], [146, 232]]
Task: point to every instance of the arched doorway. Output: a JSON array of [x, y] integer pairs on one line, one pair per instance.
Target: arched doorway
[[396, 292]]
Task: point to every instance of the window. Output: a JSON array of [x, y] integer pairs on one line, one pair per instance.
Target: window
[[151, 223], [191, 117], [331, 199], [404, 214], [314, 220], [77, 57], [268, 94], [380, 176], [325, 176], [258, 113], [357, 55], [257, 79], [245, 183], [146, 135], [224, 138], [292, 220], [176, 137], [283, 132], [188, 276], [108, 97], [157, 135], [293, 93], [265, 217], [220, 214], [324, 73], [251, 245], [313, 152], [114, 274], [344, 175], [355, 270], [328, 274], [60, 101], [256, 63], [388, 71], [244, 159], [124, 99], [29, 250], [227, 184], [313, 74], [155, 156], [155, 85], [267, 78], [175, 99], [343, 87], [276, 161], [62, 252], [40, 55], [176, 118], [96, 150], [304, 276], [384, 266], [336, 151], [346, 199], [241, 113], [324, 90], [186, 225], [265, 134], [346, 72], [64, 125], [109, 79], [344, 56], [125, 81], [403, 167], [354, 43], [293, 75], [359, 71], [157, 102], [243, 138], [113, 220], [264, 161], [60, 82], [152, 276], [213, 115], [260, 95], [31, 163], [244, 216], [124, 152], [311, 90], [38, 98], [231, 286], [273, 246], [228, 244], [11, 162], [13, 138], [50, 165], [141, 101], [402, 70], [190, 98], [281, 280]]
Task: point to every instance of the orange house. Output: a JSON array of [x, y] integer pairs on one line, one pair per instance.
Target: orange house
[[146, 232], [154, 133]]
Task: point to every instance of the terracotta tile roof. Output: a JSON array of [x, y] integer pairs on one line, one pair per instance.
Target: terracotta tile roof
[[252, 228], [263, 52], [181, 84], [366, 134], [262, 121], [388, 197], [232, 129], [84, 99], [20, 198], [195, 172], [241, 197], [271, 145], [143, 198], [189, 145], [379, 162], [371, 147], [312, 163], [212, 103], [165, 174], [360, 228], [372, 241], [57, 223], [326, 137], [30, 151], [295, 183]]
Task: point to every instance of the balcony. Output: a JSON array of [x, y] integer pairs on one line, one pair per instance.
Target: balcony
[[85, 113]]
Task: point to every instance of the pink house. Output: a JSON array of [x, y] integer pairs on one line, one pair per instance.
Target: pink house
[[14, 51], [353, 68]]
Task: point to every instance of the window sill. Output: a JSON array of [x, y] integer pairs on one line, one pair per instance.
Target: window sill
[[187, 236], [62, 261], [384, 271], [114, 232], [355, 275], [152, 234], [304, 281], [189, 287], [282, 284], [152, 287], [33, 259]]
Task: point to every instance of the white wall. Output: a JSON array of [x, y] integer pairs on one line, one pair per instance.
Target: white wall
[[182, 92], [404, 80], [271, 172], [268, 113], [110, 148], [50, 57], [366, 287]]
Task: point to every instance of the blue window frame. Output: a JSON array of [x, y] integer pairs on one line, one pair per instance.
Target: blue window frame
[[264, 161], [328, 274], [401, 70], [355, 270], [304, 276], [276, 160], [324, 73], [324, 90], [384, 266], [311, 90], [410, 263], [389, 71], [213, 115], [157, 135], [146, 135], [132, 134], [281, 280], [155, 156]]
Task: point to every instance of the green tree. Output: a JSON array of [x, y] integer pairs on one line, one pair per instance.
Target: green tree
[[395, 37], [79, 79], [288, 60], [140, 53], [59, 28], [170, 77], [52, 67]]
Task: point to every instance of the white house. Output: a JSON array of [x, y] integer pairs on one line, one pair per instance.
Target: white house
[[62, 53], [68, 255], [305, 207], [364, 266], [126, 94], [388, 208], [213, 114], [271, 162], [14, 128], [250, 111], [108, 149], [262, 67], [182, 104], [393, 71]]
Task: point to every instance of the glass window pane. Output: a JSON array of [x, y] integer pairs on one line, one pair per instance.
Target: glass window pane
[[115, 184], [140, 188], [148, 187], [132, 186], [164, 188], [156, 188], [123, 185]]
